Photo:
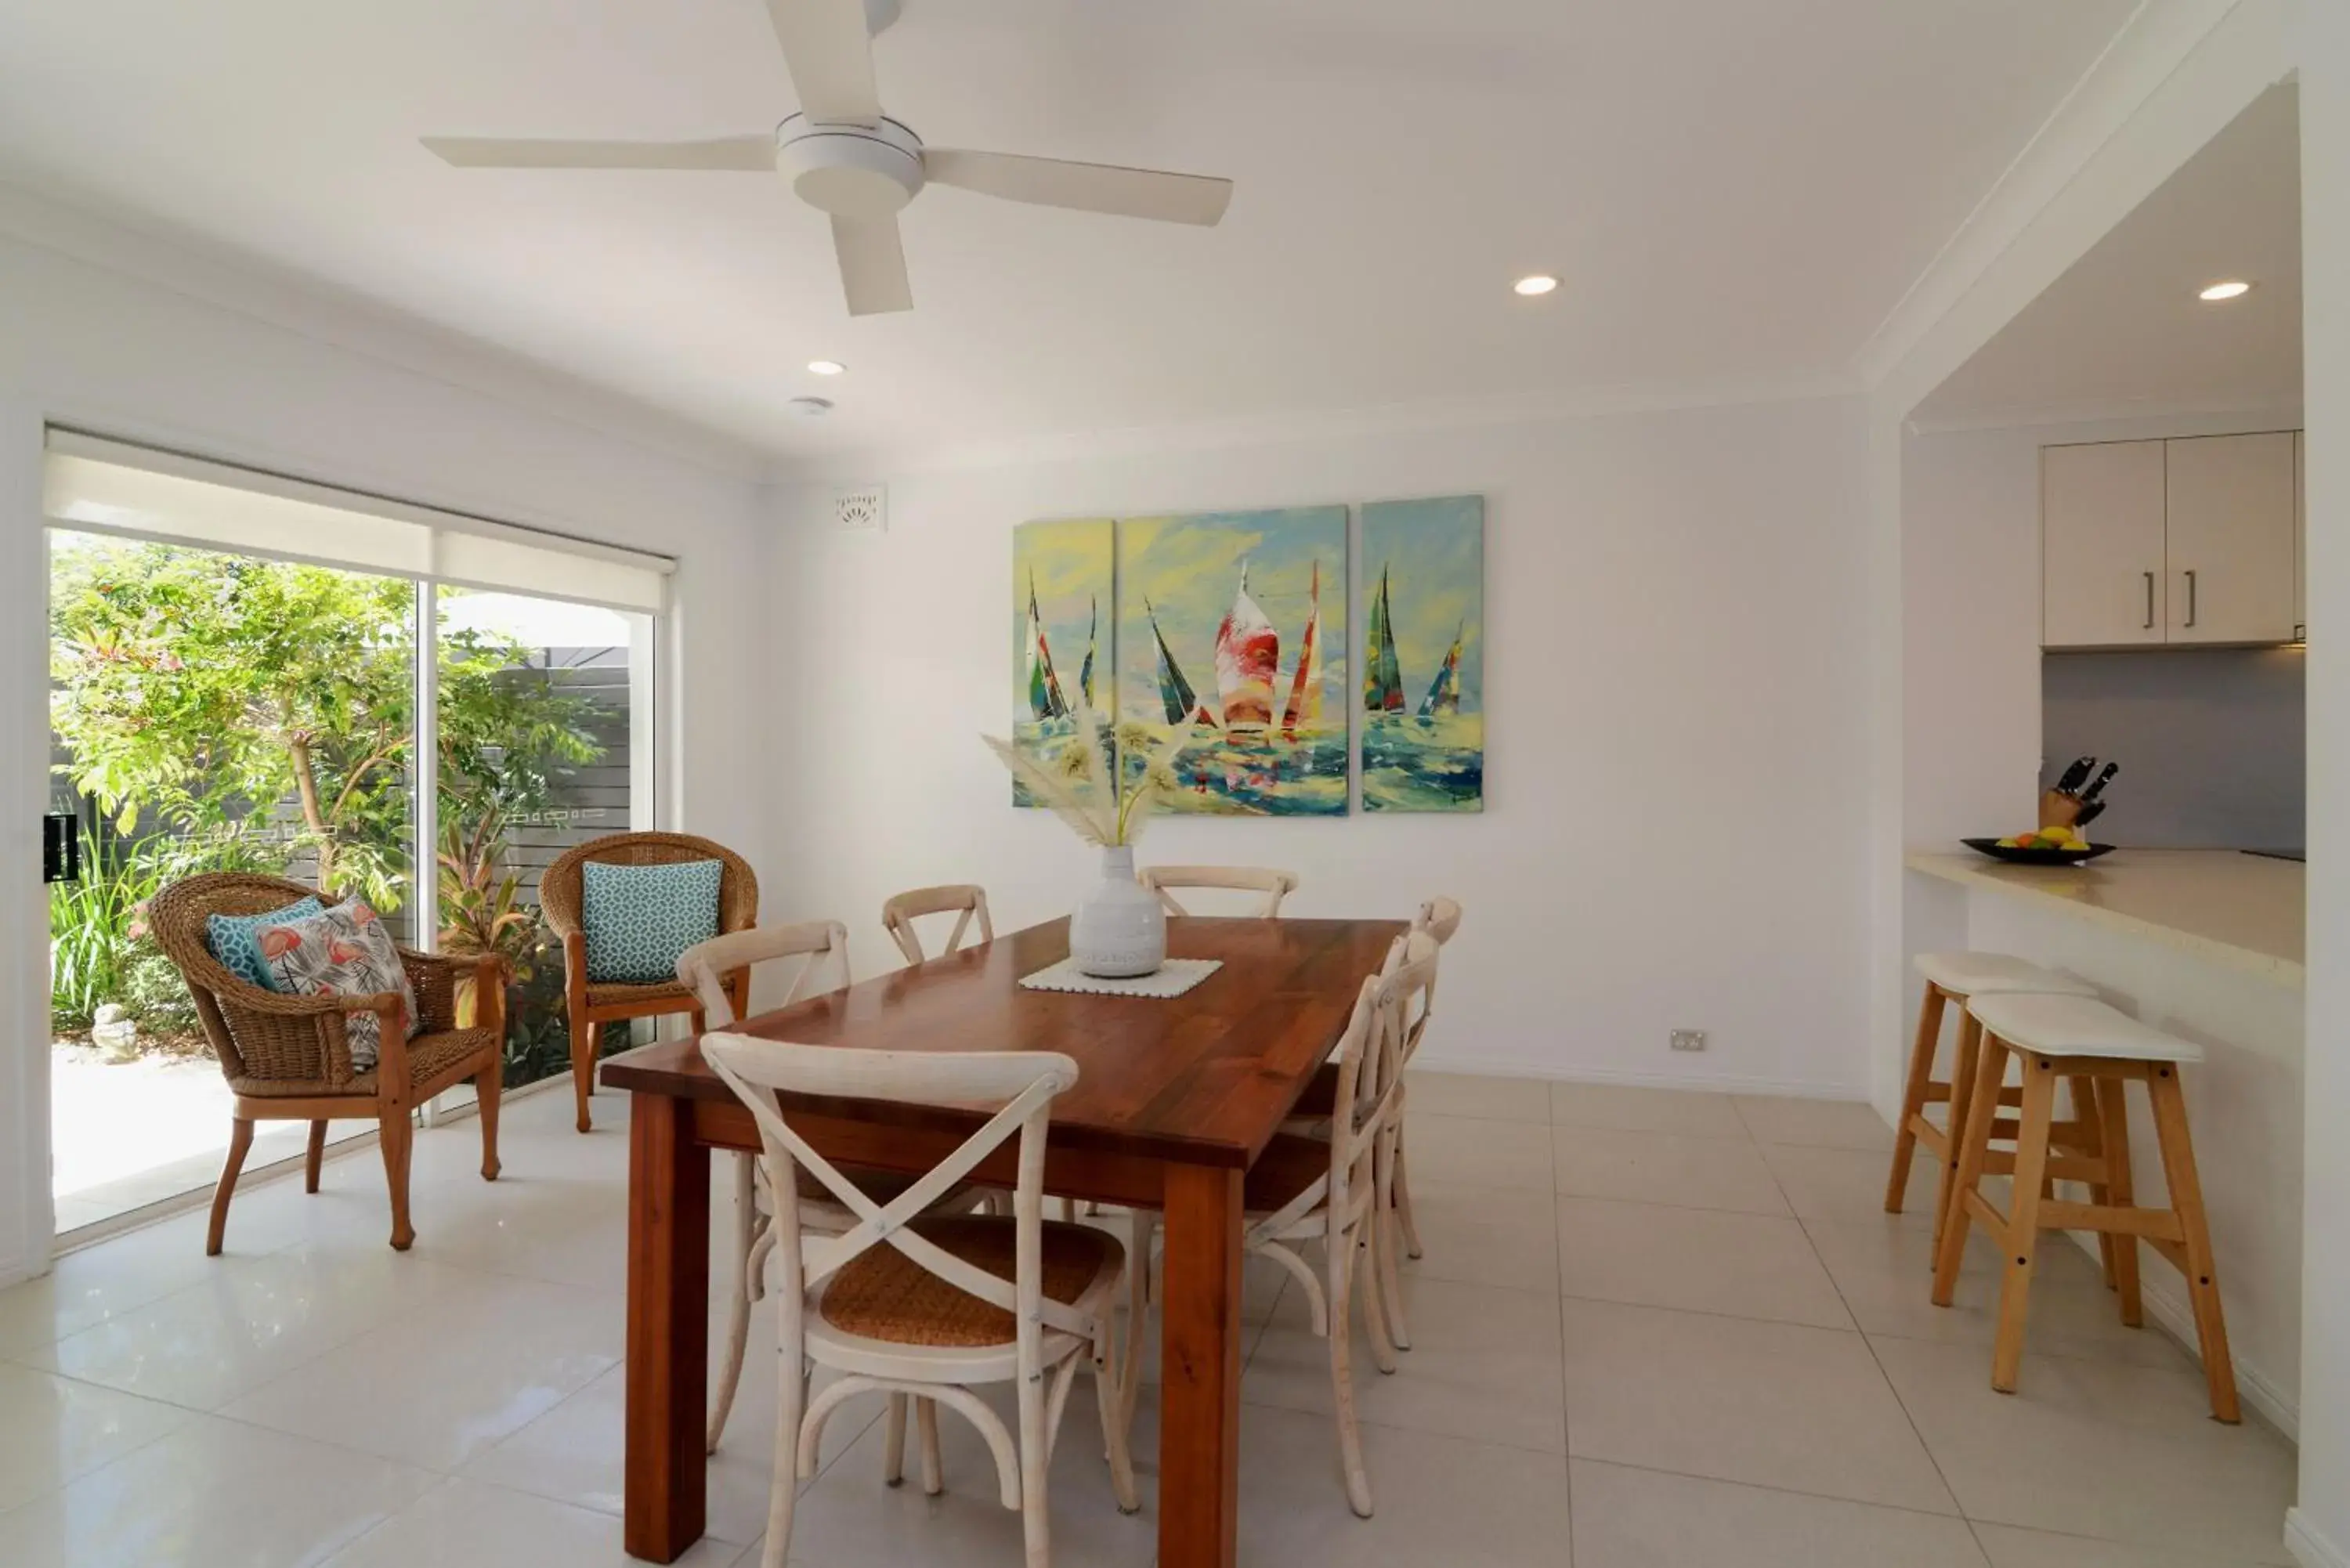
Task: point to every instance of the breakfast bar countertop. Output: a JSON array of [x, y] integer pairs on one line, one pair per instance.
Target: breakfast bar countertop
[[2244, 910]]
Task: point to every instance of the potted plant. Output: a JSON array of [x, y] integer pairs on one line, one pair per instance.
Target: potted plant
[[481, 910]]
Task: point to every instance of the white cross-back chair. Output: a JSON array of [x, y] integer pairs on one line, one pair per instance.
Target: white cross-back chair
[[965, 902], [1430, 928], [1439, 917], [1275, 886], [1305, 1189], [913, 1304], [822, 948]]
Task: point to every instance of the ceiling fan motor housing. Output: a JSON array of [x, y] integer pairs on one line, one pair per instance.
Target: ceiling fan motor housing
[[850, 169]]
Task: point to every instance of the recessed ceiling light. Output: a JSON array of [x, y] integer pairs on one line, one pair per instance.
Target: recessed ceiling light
[[2229, 288], [826, 367], [1538, 282]]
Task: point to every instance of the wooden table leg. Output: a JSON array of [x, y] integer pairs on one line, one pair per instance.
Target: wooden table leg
[[668, 1330], [1200, 1360]]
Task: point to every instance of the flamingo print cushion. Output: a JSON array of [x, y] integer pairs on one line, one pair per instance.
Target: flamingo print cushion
[[340, 951]]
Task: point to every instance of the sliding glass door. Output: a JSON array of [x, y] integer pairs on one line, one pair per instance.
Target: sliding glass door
[[426, 739], [545, 727], [209, 711]]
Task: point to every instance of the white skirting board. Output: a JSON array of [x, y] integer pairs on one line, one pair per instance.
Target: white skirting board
[[2309, 1547], [1483, 1065]]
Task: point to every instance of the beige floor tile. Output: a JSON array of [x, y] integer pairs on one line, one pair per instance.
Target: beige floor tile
[[1627, 1518], [249, 1321], [1702, 1260], [1484, 1364], [1665, 1168], [2009, 1547], [2090, 1448], [436, 1389], [1472, 1094], [463, 1524], [1848, 1184], [1883, 1269], [53, 1429], [1825, 1124], [1465, 1152], [1438, 1499], [212, 1494], [1631, 1108], [108, 1280], [1479, 1236], [573, 1454], [1769, 1404]]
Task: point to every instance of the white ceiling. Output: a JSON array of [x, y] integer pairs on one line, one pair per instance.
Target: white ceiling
[[2123, 328], [1736, 192]]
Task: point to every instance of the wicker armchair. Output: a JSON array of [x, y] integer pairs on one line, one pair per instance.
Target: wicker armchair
[[286, 1059], [591, 1005]]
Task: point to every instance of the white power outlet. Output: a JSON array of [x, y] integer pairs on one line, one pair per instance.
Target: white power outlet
[[1688, 1039]]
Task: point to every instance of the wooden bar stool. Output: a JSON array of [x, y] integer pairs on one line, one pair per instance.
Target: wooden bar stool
[[1955, 976], [2102, 1051]]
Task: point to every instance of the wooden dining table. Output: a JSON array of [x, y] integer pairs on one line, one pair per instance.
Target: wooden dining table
[[1175, 1099]]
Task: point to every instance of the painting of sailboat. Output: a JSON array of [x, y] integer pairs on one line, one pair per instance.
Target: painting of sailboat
[[1063, 599], [1254, 604], [1424, 603]]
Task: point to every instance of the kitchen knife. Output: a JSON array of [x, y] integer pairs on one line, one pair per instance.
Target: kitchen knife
[[2098, 787], [2089, 813], [2076, 775]]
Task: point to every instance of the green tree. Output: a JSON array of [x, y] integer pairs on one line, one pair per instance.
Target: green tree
[[206, 689]]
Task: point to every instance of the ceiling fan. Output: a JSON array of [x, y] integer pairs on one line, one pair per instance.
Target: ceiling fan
[[846, 158]]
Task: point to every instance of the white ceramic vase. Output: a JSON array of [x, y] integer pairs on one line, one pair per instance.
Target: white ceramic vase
[[1117, 929]]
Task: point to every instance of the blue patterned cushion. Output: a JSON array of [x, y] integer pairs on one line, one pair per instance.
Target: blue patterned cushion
[[235, 939], [638, 919]]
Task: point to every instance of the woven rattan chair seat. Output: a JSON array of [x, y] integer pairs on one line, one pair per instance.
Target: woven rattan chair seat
[[428, 1055], [619, 993], [883, 1294]]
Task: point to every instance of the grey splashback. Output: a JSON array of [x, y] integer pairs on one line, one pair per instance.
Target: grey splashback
[[2211, 742]]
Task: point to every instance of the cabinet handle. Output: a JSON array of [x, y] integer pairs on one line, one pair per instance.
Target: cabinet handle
[[2149, 601], [2191, 598]]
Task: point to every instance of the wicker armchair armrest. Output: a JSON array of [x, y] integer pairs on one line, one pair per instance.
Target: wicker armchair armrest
[[299, 1038]]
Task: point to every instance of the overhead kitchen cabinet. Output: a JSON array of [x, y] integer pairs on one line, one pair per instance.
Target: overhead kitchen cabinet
[[2168, 542]]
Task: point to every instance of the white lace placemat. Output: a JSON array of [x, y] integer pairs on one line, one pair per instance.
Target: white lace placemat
[[1172, 978]]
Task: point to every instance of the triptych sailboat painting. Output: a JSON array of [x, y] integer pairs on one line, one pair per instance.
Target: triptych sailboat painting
[[1063, 598], [1232, 627], [1423, 582]]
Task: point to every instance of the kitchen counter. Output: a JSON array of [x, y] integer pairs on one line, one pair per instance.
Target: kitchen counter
[[2244, 911]]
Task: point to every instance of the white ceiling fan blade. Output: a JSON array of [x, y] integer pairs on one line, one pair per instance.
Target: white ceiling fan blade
[[872, 266], [751, 154], [1089, 187], [829, 53]]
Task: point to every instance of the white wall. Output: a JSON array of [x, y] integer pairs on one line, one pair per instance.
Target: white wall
[[2319, 1530], [1673, 606], [98, 349], [1971, 616]]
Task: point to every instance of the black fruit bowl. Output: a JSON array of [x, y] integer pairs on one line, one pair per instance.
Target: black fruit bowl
[[2017, 856]]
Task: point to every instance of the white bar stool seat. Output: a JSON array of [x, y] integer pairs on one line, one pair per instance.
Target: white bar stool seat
[[2073, 1025], [1998, 974], [1950, 977]]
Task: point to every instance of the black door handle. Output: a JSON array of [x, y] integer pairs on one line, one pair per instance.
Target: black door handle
[[61, 847]]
